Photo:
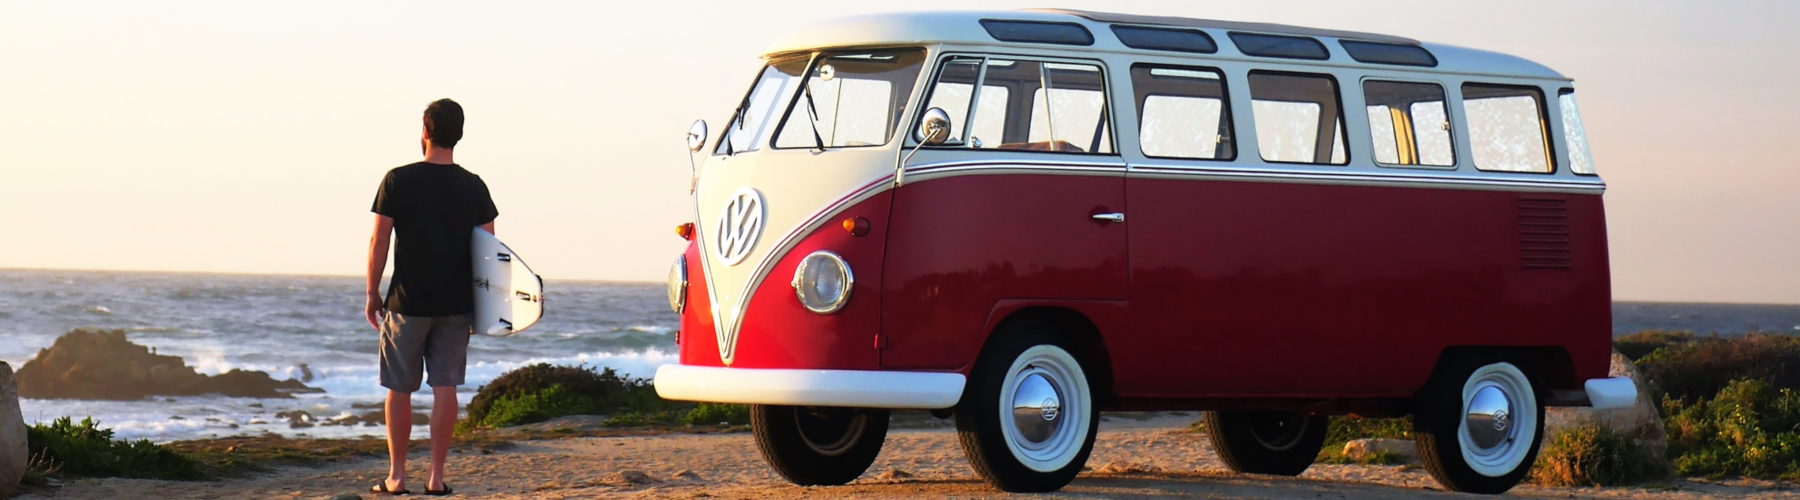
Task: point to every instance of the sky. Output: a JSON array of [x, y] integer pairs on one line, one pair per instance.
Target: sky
[[249, 137]]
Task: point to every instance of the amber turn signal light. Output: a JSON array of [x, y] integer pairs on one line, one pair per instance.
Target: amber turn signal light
[[685, 230], [856, 226]]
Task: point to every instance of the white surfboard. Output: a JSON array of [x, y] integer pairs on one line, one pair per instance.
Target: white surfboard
[[508, 297]]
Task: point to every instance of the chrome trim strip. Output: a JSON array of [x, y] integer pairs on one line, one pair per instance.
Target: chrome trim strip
[[1364, 178]]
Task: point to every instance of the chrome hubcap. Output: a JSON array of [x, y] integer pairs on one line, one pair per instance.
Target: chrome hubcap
[[1489, 417], [1036, 407]]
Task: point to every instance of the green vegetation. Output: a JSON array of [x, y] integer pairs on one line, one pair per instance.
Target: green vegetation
[[1729, 404], [84, 449], [1591, 455], [1751, 428], [542, 392]]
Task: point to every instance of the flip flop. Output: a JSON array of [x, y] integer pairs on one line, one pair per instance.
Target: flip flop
[[381, 488], [438, 493]]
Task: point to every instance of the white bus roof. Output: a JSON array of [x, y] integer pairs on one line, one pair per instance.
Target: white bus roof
[[964, 27]]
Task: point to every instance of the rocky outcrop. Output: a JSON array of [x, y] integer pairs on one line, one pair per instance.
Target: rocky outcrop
[[1641, 420], [99, 364], [13, 451], [1369, 448]]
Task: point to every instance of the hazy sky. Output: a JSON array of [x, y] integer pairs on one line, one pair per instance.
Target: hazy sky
[[249, 136]]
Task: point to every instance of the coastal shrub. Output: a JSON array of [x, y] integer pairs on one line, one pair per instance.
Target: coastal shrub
[[541, 392], [1635, 346], [1699, 369], [1592, 455], [717, 413], [66, 447], [1751, 428], [1345, 429]]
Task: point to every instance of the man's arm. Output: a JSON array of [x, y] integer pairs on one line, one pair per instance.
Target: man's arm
[[378, 253]]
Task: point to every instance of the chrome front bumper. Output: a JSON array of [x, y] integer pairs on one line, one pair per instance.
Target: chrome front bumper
[[847, 388]]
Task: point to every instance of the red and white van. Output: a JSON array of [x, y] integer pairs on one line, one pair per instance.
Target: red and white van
[[1023, 218]]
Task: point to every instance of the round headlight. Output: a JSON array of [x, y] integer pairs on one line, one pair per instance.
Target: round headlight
[[823, 282], [678, 284]]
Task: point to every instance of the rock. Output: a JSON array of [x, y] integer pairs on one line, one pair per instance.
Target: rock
[[1642, 420], [631, 476], [346, 496], [14, 454], [688, 475], [893, 475], [1363, 449], [100, 364]]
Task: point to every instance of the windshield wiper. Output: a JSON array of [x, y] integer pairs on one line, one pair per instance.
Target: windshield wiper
[[813, 113]]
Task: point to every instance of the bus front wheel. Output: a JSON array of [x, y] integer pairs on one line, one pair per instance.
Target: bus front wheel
[[1027, 420], [818, 446]]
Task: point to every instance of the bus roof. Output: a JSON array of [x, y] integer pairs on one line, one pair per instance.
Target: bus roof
[[964, 27]]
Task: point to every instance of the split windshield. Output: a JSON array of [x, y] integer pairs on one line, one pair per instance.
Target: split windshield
[[846, 99]]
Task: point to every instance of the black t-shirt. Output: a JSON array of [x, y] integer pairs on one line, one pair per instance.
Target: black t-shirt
[[434, 206]]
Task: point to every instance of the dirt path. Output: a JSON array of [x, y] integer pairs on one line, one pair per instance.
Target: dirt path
[[1131, 459]]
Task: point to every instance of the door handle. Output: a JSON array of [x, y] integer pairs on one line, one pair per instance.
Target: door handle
[[1114, 217]]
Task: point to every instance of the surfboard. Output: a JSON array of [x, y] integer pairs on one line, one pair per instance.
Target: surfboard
[[508, 297]]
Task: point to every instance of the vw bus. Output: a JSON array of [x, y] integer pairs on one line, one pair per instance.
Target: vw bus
[[1023, 218]]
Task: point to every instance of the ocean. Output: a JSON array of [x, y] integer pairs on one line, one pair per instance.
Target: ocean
[[218, 322]]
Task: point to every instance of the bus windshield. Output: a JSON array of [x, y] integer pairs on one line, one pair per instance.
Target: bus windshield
[[846, 99]]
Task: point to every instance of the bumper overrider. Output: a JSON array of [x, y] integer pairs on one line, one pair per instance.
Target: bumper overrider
[[800, 387], [1611, 393]]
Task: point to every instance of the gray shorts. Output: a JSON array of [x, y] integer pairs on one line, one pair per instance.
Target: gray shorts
[[411, 344]]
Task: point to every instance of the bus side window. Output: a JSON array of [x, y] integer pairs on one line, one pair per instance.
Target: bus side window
[[1581, 160], [953, 92], [1182, 112], [1507, 131], [1298, 118], [1408, 123]]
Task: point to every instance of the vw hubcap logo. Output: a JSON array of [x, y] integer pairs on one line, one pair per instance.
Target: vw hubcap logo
[[1050, 408], [740, 225], [1500, 420]]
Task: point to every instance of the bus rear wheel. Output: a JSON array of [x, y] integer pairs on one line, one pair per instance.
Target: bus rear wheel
[[1266, 442], [1478, 425], [1027, 420], [818, 446]]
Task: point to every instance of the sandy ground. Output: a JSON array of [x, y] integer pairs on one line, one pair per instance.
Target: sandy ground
[[1132, 458]]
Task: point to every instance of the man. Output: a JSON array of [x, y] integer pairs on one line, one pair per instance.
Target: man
[[424, 319]]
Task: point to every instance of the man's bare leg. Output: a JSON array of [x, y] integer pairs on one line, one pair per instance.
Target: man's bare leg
[[399, 431], [443, 429]]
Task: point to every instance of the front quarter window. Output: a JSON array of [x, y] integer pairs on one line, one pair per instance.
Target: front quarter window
[[754, 118], [851, 99]]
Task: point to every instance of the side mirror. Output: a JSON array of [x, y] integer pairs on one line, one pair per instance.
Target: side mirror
[[696, 136], [934, 127], [696, 139]]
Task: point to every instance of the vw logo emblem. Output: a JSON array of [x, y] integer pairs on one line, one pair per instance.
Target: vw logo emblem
[[1500, 420], [1051, 408], [740, 225]]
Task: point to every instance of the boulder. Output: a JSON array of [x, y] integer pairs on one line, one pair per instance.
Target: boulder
[[1363, 449], [102, 364], [1642, 420], [14, 456]]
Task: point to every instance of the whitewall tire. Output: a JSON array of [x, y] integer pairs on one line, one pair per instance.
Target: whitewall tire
[[1027, 420], [1478, 425]]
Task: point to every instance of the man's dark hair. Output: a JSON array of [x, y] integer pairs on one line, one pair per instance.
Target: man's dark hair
[[444, 122]]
